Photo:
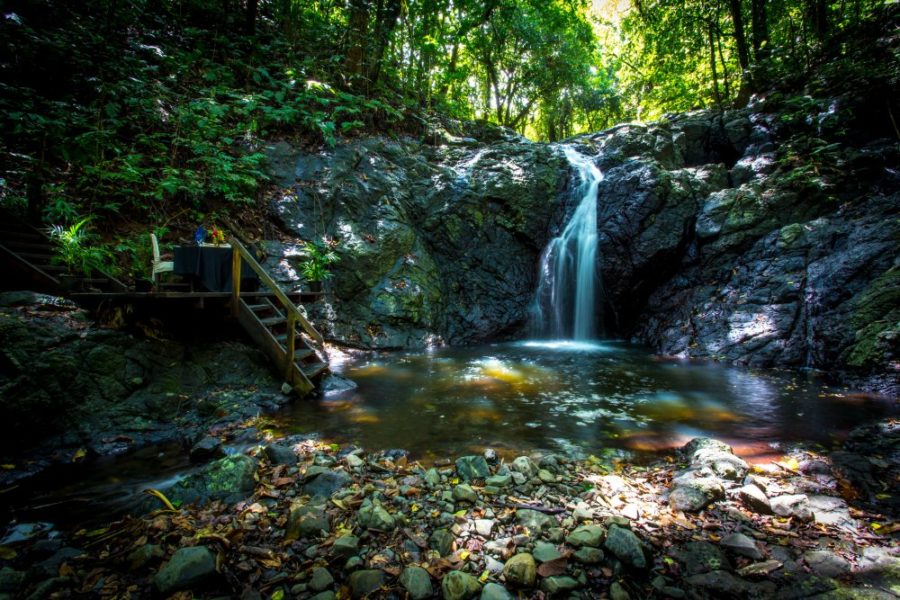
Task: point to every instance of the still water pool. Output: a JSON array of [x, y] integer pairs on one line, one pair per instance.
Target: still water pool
[[570, 397]]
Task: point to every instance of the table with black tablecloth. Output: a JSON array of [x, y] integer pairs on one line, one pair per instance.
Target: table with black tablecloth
[[211, 266]]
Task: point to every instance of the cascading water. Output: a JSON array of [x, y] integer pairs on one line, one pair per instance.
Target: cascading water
[[565, 302]]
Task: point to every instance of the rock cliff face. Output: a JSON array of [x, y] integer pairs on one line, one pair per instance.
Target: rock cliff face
[[438, 243], [749, 236]]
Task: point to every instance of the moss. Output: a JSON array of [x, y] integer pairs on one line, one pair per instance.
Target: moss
[[876, 320]]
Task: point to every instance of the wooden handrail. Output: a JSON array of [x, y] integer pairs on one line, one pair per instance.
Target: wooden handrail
[[240, 252]]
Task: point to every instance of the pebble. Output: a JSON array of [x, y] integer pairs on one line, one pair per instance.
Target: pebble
[[755, 499], [188, 568], [525, 466], [464, 493], [442, 541], [472, 467], [520, 570], [321, 579], [457, 585], [586, 535], [534, 520], [741, 545], [626, 546], [792, 505], [544, 552], [558, 584], [589, 556], [417, 583], [346, 545], [483, 527], [363, 583], [495, 591]]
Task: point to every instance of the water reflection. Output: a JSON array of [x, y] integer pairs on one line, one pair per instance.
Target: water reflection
[[564, 395]]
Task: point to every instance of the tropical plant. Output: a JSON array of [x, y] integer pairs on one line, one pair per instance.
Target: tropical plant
[[75, 247], [319, 256]]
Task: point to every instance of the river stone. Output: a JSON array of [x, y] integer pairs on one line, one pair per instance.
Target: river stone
[[626, 546], [742, 545], [306, 521], [723, 464], [792, 505], [457, 585], [557, 585], [534, 520], [188, 569], [701, 557], [321, 579], [472, 467], [829, 510], [589, 556], [442, 541], [207, 448], [280, 454], [499, 480], [346, 546], [144, 555], [693, 491], [520, 570], [417, 582], [495, 591], [617, 592], [544, 552], [826, 563], [755, 499], [722, 584], [546, 476], [229, 479], [525, 466], [363, 583], [586, 535], [10, 580], [432, 478], [374, 516], [325, 483], [353, 461], [326, 595], [702, 443], [483, 527], [464, 493]]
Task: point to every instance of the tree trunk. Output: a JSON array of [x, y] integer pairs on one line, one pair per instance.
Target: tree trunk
[[818, 18], [712, 62], [357, 33], [250, 17], [737, 18], [760, 24], [385, 22]]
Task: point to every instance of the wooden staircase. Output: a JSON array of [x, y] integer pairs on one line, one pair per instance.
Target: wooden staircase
[[276, 324], [28, 252]]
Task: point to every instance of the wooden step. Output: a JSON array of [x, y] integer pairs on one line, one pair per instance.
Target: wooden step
[[313, 370], [271, 321], [19, 247]]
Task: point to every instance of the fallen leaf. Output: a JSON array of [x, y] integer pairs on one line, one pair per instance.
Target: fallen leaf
[[554, 567]]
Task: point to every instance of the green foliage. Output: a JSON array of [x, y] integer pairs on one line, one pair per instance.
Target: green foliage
[[77, 249], [319, 256]]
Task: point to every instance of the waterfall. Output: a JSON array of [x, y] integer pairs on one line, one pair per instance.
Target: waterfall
[[565, 305]]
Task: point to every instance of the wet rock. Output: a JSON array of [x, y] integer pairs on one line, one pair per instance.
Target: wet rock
[[207, 448], [495, 591], [723, 463], [760, 569], [741, 545], [472, 467], [586, 535], [589, 556], [826, 563], [188, 569], [520, 570], [558, 585], [625, 546], [228, 480], [326, 595], [499, 480], [525, 466], [280, 454], [306, 521], [534, 520], [722, 584], [353, 461], [374, 516], [702, 557], [417, 583], [365, 582], [457, 585], [10, 580], [617, 592], [754, 499], [325, 483], [442, 541], [544, 552], [144, 556], [792, 505], [320, 580], [464, 493], [432, 478], [546, 476], [334, 384], [693, 490], [346, 545]]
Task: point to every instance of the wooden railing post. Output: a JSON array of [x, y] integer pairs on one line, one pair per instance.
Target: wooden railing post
[[235, 280], [291, 346]]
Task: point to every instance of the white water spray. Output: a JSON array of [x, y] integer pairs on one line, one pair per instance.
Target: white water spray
[[565, 305]]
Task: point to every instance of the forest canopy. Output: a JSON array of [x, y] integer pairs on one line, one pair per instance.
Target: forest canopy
[[160, 106]]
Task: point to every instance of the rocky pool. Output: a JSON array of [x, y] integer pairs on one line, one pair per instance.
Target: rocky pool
[[570, 397]]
